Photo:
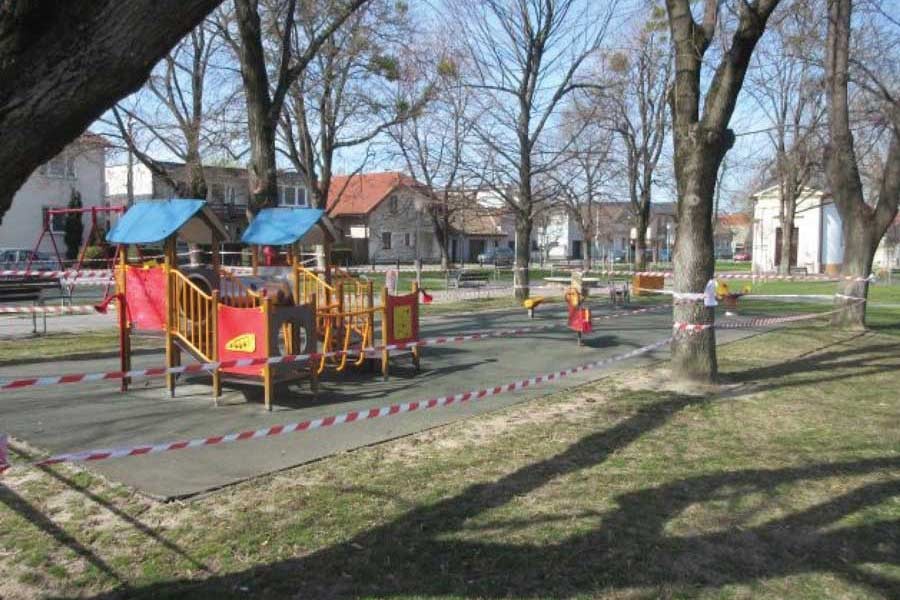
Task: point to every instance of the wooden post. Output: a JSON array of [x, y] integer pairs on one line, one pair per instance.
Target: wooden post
[[267, 368], [295, 275], [214, 325], [254, 258], [415, 349], [124, 324], [385, 355], [173, 355]]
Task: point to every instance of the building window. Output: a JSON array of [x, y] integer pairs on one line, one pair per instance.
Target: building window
[[57, 221], [286, 196], [393, 204], [408, 240], [230, 194], [386, 240], [217, 193], [61, 166], [301, 197]]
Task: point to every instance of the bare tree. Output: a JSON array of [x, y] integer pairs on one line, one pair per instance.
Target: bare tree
[[701, 140], [183, 110], [527, 56], [589, 167], [787, 86], [348, 94], [265, 101], [433, 142], [62, 65], [865, 216], [638, 79]]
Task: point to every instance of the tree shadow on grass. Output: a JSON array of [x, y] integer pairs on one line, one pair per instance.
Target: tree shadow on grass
[[835, 362], [426, 553]]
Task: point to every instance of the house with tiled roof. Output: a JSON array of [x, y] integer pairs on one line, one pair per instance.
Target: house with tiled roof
[[383, 217], [733, 234]]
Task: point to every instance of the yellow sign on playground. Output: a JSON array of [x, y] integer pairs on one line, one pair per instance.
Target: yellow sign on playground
[[403, 322], [242, 343]]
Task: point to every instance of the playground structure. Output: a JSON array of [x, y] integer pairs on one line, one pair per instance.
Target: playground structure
[[344, 305], [217, 316]]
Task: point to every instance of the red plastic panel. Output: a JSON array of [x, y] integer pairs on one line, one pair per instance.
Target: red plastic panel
[[401, 318], [145, 297], [242, 334]]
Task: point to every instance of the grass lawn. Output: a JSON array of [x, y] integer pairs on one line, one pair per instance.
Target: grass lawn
[[730, 265], [784, 482], [52, 346]]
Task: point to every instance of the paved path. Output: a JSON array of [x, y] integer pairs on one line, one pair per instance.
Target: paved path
[[79, 417]]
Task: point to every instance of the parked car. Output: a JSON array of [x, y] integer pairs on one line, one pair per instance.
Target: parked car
[[620, 256], [18, 258], [742, 257], [499, 256]]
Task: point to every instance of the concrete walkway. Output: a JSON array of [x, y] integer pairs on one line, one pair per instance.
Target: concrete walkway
[[80, 417]]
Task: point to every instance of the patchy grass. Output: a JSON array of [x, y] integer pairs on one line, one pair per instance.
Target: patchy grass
[[53, 346], [784, 482]]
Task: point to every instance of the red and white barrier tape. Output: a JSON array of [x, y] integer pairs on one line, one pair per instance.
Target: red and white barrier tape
[[747, 275], [343, 418], [51, 310], [197, 368], [750, 323], [69, 274]]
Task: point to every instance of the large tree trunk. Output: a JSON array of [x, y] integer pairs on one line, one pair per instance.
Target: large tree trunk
[[260, 124], [860, 244], [442, 231], [523, 256], [588, 253], [641, 223], [694, 354], [63, 63], [864, 223], [196, 180]]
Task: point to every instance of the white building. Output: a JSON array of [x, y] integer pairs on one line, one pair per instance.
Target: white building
[[817, 239], [80, 167]]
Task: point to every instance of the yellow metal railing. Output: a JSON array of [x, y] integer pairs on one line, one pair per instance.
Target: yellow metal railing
[[234, 293], [310, 287], [192, 315], [346, 332]]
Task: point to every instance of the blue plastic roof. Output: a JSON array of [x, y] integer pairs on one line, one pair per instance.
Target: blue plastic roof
[[281, 226], [151, 221]]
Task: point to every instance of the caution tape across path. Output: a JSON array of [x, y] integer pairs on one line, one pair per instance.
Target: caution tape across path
[[199, 368], [343, 418]]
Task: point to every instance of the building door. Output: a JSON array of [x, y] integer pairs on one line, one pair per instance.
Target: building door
[[454, 250], [794, 243], [576, 250], [476, 247], [359, 249]]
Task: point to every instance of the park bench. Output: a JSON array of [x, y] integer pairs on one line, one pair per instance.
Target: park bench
[[464, 278], [799, 271], [28, 290]]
